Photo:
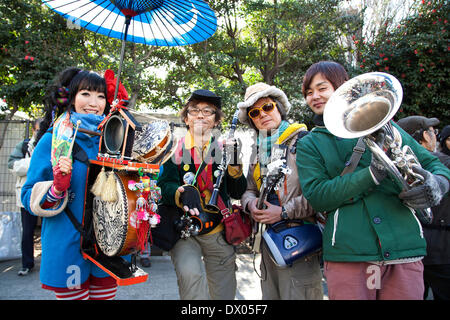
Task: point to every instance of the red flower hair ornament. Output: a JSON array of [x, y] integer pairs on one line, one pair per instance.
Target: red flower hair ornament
[[122, 96]]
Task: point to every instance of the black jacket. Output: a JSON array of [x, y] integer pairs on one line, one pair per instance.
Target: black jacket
[[438, 233]]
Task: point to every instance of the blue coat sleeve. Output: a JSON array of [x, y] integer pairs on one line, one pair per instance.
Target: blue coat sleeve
[[40, 168]]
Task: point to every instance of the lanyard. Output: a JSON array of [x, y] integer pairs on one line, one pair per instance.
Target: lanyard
[[203, 164]]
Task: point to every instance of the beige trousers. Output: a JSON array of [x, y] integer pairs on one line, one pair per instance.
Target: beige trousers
[[210, 277], [302, 281]]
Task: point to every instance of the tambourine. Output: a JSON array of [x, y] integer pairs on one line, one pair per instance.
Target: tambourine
[[155, 143]]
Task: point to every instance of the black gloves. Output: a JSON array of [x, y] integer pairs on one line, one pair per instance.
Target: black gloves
[[191, 197], [428, 194]]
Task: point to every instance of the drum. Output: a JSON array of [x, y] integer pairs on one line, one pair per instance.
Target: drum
[[114, 223], [155, 143]]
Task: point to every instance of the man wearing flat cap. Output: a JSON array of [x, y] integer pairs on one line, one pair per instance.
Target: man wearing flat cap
[[422, 130], [436, 271], [204, 262]]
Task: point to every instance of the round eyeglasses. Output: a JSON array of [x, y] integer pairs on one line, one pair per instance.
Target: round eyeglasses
[[205, 111]]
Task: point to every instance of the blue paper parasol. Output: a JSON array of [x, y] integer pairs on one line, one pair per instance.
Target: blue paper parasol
[[151, 22]]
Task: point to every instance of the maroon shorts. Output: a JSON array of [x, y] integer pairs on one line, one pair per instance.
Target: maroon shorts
[[366, 281]]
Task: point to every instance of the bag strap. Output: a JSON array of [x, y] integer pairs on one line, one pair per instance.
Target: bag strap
[[25, 147], [79, 154], [358, 151], [78, 226], [300, 135]]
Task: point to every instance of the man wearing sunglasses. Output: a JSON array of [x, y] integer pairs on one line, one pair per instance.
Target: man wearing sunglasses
[[265, 109], [204, 262]]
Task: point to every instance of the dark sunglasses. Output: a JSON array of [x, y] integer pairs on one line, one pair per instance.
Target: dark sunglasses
[[256, 111]]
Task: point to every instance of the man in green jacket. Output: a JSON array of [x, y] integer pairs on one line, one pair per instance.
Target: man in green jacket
[[373, 243]]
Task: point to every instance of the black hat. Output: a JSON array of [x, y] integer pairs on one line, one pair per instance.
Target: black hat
[[415, 123], [444, 134], [208, 96]]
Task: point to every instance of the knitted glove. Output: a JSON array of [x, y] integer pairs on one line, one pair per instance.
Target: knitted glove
[[428, 194], [61, 181], [111, 87]]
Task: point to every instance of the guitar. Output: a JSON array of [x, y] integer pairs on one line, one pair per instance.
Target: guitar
[[277, 169]]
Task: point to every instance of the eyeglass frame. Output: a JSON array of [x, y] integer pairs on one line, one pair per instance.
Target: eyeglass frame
[[197, 111], [274, 105], [435, 131]]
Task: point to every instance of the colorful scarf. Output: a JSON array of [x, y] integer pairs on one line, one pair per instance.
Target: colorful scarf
[[63, 131], [265, 143]]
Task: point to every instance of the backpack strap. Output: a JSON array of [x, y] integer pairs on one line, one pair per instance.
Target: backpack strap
[[300, 135], [79, 154]]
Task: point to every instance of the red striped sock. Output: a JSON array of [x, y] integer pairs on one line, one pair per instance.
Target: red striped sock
[[81, 294], [102, 292]]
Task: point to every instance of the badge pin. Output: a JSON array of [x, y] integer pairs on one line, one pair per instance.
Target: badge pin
[[186, 167], [188, 178]]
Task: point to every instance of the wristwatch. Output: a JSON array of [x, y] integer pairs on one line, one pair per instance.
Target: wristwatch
[[283, 214]]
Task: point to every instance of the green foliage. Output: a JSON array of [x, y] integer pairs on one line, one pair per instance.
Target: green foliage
[[28, 53], [416, 52], [274, 41]]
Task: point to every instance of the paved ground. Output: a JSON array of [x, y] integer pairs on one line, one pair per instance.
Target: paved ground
[[161, 284]]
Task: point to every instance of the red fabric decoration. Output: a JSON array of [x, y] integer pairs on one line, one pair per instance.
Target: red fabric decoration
[[142, 234], [111, 87]]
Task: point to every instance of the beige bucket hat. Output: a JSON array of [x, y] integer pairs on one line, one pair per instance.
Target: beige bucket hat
[[260, 90]]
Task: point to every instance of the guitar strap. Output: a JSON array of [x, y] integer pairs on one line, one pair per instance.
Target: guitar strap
[[260, 227]]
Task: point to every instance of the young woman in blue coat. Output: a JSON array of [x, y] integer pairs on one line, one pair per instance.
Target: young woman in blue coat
[[49, 190]]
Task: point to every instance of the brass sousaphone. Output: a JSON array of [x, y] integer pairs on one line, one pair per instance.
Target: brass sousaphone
[[365, 104]]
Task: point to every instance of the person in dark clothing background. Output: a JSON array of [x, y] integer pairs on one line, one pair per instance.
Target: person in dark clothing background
[[444, 140], [18, 163], [437, 234]]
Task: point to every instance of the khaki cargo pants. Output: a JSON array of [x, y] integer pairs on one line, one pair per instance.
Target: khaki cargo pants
[[210, 277], [302, 281]]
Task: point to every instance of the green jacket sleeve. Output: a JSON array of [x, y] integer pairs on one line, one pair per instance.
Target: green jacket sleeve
[[169, 181], [323, 190], [15, 155]]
